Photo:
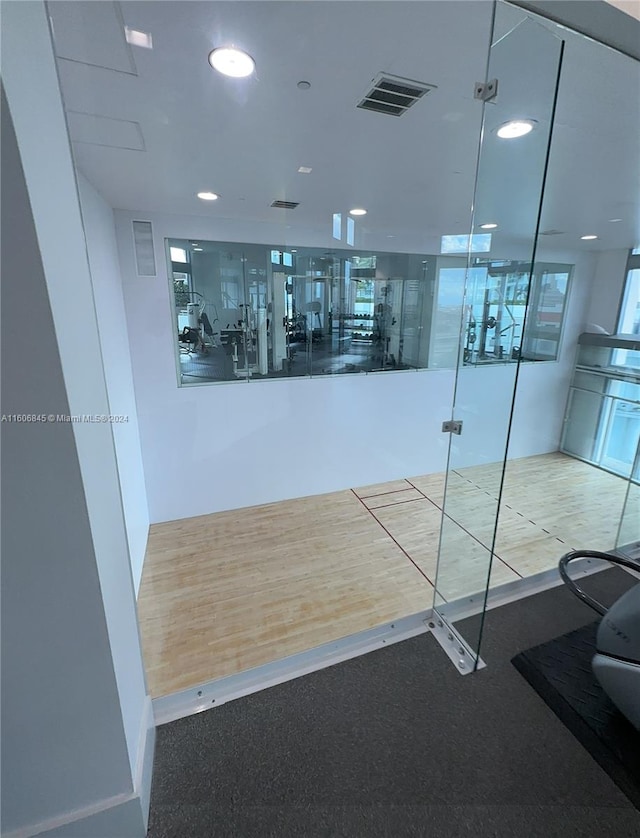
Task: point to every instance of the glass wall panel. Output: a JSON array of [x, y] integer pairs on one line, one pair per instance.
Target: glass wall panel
[[251, 311], [511, 310]]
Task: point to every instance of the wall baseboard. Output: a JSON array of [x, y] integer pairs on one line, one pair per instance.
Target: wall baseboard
[[204, 696], [123, 815]]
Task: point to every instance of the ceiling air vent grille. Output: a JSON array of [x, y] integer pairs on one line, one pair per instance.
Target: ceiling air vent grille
[[143, 247], [285, 204], [394, 95]]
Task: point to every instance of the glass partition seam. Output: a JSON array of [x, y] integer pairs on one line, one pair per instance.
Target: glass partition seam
[[517, 370], [468, 526]]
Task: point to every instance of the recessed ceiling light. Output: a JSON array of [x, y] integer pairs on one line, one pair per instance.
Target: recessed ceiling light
[[305, 170], [613, 220], [516, 128], [588, 238], [489, 226], [198, 248], [304, 85], [231, 61], [357, 212], [138, 39], [294, 250], [207, 196]]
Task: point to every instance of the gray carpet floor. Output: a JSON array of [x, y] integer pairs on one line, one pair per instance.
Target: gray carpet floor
[[396, 743]]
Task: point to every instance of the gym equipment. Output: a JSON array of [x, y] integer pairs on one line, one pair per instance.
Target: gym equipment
[[616, 663]]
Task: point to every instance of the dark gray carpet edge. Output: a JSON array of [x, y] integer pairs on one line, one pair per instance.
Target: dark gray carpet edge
[[560, 672], [396, 743], [379, 821]]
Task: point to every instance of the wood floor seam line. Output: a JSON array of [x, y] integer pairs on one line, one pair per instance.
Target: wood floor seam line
[[381, 494], [426, 497], [481, 543], [397, 503], [395, 541]]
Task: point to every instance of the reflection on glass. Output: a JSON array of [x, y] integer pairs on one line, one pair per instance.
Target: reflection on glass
[[492, 327], [476, 243], [250, 311], [499, 295], [351, 231], [337, 225]]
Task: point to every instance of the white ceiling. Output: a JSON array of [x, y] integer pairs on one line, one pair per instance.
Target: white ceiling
[[153, 127]]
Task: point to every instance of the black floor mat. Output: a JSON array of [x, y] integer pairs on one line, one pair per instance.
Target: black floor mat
[[560, 672]]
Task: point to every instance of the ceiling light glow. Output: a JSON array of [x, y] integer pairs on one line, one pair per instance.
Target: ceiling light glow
[[588, 238], [357, 211], [231, 61], [490, 226], [613, 220], [138, 39], [305, 170], [516, 128], [207, 196]]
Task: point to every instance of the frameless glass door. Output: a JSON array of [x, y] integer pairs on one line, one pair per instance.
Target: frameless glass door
[[525, 59]]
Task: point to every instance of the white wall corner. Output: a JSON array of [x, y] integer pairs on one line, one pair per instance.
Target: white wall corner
[[121, 816]]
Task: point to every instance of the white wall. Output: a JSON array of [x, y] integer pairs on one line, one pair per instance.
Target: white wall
[[213, 447], [608, 286], [77, 732], [99, 229]]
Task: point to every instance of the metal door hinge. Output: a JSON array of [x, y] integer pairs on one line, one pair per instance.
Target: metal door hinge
[[486, 91], [452, 427]]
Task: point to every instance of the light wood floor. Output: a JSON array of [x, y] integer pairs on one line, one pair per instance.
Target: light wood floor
[[226, 592]]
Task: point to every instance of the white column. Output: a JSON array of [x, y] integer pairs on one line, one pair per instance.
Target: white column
[[77, 741]]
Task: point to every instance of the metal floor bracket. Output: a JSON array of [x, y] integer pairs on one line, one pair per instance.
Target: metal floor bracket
[[456, 647]]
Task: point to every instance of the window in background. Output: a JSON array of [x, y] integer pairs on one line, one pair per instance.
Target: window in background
[[499, 294], [629, 318]]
